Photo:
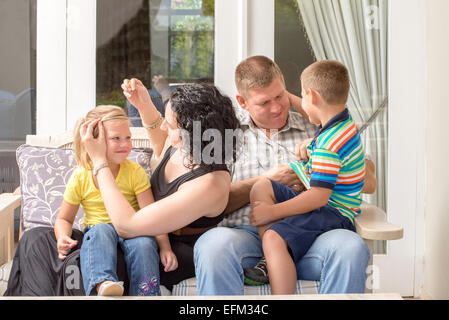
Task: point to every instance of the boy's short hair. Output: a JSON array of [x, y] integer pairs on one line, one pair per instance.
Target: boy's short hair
[[256, 72], [329, 78]]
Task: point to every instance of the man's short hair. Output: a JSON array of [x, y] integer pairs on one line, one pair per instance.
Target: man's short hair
[[329, 78], [256, 72]]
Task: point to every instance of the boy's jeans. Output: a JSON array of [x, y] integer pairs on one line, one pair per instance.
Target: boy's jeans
[[99, 260], [337, 258]]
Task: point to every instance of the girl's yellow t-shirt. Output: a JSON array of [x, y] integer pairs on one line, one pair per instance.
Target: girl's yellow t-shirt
[[81, 190]]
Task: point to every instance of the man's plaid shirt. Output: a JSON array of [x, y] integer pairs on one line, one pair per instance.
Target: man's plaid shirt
[[259, 154]]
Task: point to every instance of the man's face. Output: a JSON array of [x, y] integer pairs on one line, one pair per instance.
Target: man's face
[[269, 106]]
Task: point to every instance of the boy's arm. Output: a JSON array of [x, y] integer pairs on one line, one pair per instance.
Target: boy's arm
[[264, 213]]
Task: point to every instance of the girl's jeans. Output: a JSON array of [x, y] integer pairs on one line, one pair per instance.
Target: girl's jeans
[[99, 260], [337, 258]]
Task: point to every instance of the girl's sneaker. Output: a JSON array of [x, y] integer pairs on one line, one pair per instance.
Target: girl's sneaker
[[258, 275], [111, 288]]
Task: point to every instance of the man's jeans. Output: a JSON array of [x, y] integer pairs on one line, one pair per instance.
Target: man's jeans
[[99, 260], [337, 258]]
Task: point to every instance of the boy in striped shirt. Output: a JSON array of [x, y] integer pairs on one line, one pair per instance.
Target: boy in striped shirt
[[288, 221]]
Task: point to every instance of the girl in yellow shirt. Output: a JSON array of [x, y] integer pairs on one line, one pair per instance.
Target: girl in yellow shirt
[[99, 247]]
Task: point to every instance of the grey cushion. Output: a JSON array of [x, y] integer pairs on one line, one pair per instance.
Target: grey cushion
[[44, 173]]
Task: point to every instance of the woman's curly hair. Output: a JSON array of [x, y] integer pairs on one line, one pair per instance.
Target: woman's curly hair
[[204, 106]]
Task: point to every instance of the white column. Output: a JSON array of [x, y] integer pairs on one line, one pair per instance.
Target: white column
[[242, 29], [51, 67], [261, 28], [400, 268], [81, 59]]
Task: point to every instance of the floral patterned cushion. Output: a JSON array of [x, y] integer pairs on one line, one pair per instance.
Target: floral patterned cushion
[[44, 173]]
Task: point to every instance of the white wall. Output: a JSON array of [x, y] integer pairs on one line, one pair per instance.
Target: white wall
[[436, 280]]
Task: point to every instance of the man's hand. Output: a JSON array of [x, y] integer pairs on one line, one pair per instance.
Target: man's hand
[[284, 174], [261, 213], [296, 102], [370, 185], [301, 151]]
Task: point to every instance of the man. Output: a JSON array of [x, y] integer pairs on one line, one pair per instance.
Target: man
[[272, 131]]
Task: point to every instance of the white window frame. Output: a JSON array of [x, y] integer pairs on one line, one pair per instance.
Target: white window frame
[[66, 52], [66, 68], [242, 29], [402, 267]]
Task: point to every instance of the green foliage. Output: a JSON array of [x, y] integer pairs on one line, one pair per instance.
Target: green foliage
[[192, 42], [209, 7], [115, 98]]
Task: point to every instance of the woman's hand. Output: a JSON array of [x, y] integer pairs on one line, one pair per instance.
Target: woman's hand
[[136, 93], [168, 260], [95, 147]]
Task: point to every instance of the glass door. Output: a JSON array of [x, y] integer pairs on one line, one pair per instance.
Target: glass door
[[17, 86], [161, 42]]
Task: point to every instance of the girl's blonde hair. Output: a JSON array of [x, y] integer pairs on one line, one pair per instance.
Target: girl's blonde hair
[[107, 113]]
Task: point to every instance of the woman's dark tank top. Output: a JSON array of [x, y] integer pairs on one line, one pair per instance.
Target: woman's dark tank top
[[162, 189]]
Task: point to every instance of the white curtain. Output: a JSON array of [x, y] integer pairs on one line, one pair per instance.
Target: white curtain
[[354, 32]]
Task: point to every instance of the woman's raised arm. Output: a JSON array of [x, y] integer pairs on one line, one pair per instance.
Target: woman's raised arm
[[206, 195], [203, 196], [137, 94]]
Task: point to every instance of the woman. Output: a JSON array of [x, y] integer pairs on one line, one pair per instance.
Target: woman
[[191, 191]]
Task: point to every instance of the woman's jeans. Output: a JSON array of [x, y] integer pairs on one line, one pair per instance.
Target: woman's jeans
[[99, 260], [337, 258]]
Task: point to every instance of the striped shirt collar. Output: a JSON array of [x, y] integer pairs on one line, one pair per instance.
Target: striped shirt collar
[[342, 116]]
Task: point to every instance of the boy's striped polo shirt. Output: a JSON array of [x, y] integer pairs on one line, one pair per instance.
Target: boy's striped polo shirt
[[337, 162]]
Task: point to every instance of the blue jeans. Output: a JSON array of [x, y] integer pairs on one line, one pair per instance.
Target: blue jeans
[[337, 258], [99, 260]]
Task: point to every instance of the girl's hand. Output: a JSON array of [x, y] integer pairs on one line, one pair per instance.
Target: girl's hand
[[136, 93], [168, 260], [64, 245], [95, 147], [261, 213]]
